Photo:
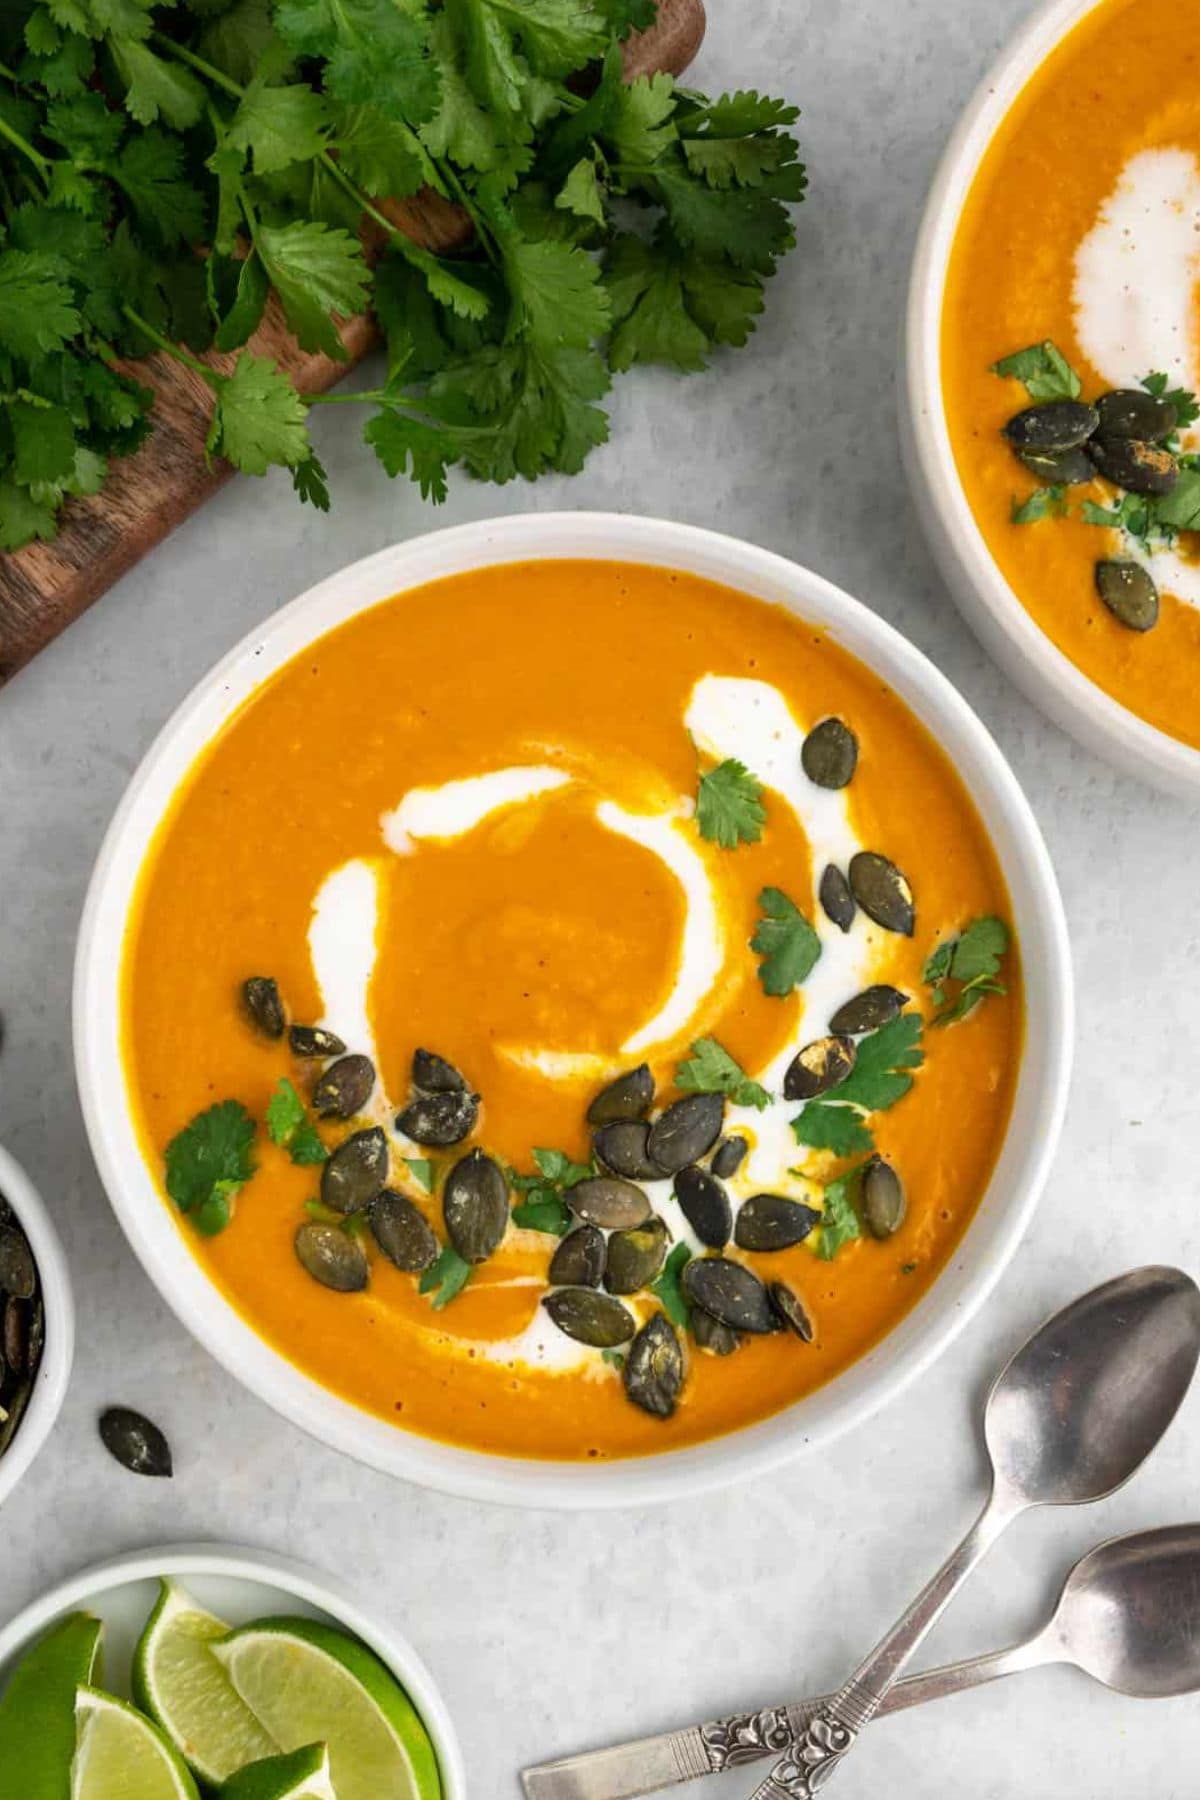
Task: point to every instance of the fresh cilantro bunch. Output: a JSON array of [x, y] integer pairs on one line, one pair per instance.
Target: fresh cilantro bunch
[[165, 167]]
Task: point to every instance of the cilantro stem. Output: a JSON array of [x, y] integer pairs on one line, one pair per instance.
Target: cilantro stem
[[41, 163], [8, 74], [176, 350], [215, 75]]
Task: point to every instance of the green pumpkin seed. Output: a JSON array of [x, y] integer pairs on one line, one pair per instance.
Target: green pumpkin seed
[[1054, 425], [635, 1257], [356, 1172], [653, 1372], [332, 1257], [440, 1119], [344, 1088], [874, 1007], [1059, 468], [1129, 593], [591, 1318], [882, 891], [579, 1259], [622, 1147], [609, 1202], [710, 1334], [403, 1232], [434, 1075], [1137, 467], [135, 1442], [475, 1206], [728, 1156], [792, 1311], [829, 755], [630, 1096], [837, 902], [881, 1198], [768, 1222], [314, 1040], [1133, 413], [821, 1065], [730, 1293], [705, 1206], [263, 1007], [686, 1131], [18, 1271]]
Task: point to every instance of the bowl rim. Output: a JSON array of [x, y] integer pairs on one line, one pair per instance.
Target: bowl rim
[[54, 1371], [988, 602], [233, 1562], [996, 1227]]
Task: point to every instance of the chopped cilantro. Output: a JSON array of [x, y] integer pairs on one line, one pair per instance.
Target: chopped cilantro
[[880, 1077], [1045, 371], [973, 959], [787, 943], [424, 1172], [729, 807], [668, 1290], [1043, 503], [446, 1278], [613, 1358], [542, 1207], [839, 1215], [544, 1212], [209, 1161], [289, 1126], [711, 1070], [1180, 509], [1187, 408]]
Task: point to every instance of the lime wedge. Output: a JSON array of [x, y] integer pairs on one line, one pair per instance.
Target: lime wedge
[[309, 1684], [37, 1712], [120, 1755], [180, 1684], [299, 1775]]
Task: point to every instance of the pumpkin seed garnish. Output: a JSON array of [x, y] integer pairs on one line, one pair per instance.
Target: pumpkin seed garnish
[[829, 754], [609, 1202], [356, 1172], [882, 891], [1134, 413], [773, 1222], [635, 1257], [332, 1257], [874, 1007], [135, 1442], [475, 1206], [345, 1087], [440, 1119], [653, 1372], [837, 902], [598, 1320], [818, 1067], [622, 1147], [705, 1205], [882, 1198], [314, 1041], [686, 1131], [630, 1096], [728, 1156], [263, 1007], [1129, 593], [792, 1311], [731, 1293], [1137, 467], [579, 1258], [18, 1271], [1054, 425], [434, 1075], [402, 1232], [711, 1335]]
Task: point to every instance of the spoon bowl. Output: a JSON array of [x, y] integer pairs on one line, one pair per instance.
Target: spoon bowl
[[1129, 1614], [1082, 1404]]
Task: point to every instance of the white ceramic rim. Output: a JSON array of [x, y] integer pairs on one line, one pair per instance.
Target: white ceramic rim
[[236, 1564], [1002, 1215], [54, 1371], [1010, 633]]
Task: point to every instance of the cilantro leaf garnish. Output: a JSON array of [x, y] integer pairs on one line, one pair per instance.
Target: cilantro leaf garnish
[[729, 807], [542, 1206], [424, 1171], [839, 1215], [445, 1279], [209, 1161], [289, 1126], [1044, 503], [786, 941], [1187, 407], [1045, 371], [881, 1076], [666, 1287], [974, 961], [711, 1070]]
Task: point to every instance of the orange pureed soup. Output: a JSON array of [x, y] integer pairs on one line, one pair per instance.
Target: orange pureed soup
[[1081, 228], [529, 819]]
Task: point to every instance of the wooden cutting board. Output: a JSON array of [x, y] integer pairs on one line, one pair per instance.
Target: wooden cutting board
[[45, 586]]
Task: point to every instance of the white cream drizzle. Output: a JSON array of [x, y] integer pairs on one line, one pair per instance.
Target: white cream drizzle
[[457, 807], [1137, 273]]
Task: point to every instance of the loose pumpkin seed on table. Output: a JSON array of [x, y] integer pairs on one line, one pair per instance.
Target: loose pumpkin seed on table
[[136, 1443]]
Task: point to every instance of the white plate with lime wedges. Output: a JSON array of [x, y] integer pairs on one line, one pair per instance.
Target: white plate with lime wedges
[[188, 1671]]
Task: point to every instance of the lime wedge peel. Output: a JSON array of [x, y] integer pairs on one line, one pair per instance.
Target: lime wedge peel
[[120, 1755], [297, 1775], [37, 1711], [179, 1683], [309, 1683]]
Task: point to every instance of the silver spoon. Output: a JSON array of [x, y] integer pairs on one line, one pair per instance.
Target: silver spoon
[[1076, 1411], [1128, 1616], [1070, 1419]]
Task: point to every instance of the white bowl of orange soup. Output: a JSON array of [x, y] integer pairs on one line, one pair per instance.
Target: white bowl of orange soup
[[1065, 212], [496, 814]]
